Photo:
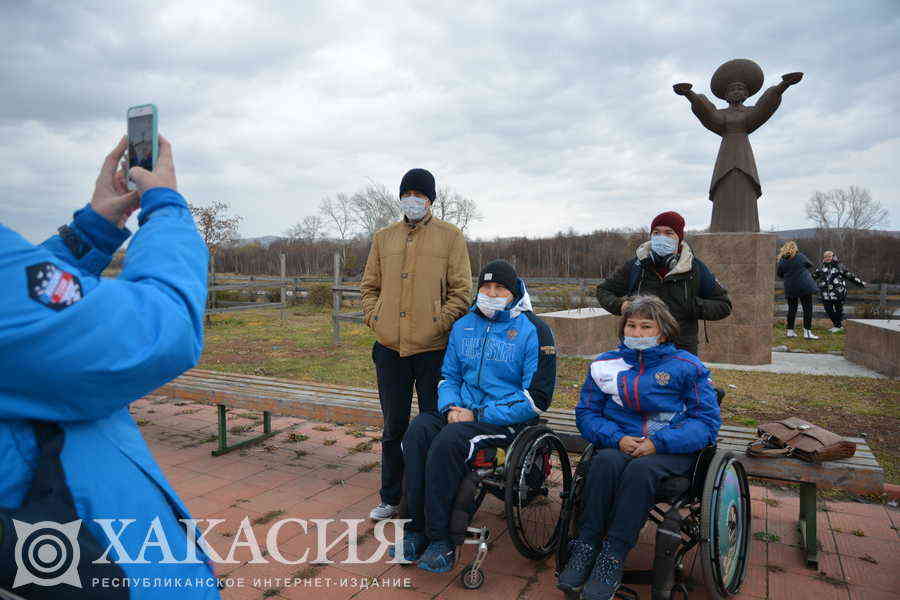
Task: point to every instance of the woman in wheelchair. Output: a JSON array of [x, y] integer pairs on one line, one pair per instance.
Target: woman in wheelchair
[[498, 374], [648, 408]]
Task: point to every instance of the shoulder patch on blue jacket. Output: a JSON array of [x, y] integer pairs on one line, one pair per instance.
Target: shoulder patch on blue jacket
[[52, 286]]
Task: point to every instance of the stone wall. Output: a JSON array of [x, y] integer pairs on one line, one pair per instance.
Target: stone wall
[[745, 264], [873, 343], [583, 331]]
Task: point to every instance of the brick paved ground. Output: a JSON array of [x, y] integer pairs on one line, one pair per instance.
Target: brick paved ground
[[325, 470]]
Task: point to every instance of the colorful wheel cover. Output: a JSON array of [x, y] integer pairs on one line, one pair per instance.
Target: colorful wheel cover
[[730, 525]]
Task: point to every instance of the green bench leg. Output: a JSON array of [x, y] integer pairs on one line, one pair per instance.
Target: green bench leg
[[224, 448], [807, 523]]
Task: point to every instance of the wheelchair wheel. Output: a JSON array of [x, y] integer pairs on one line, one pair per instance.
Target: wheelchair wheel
[[571, 510], [725, 525], [538, 479], [471, 578]]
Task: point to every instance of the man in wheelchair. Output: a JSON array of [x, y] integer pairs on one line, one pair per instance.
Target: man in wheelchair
[[648, 409], [499, 373]]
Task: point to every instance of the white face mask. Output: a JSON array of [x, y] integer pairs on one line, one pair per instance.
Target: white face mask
[[490, 306], [413, 207]]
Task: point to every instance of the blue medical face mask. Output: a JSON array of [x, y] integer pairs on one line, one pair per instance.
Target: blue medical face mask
[[641, 343], [413, 207], [489, 305], [663, 245]]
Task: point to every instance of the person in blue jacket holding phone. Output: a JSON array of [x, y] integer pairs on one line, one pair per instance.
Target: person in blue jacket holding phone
[[75, 350], [498, 376], [648, 408]]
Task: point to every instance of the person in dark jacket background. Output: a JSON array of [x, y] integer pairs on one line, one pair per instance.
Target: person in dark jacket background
[[793, 268], [666, 267], [499, 373], [647, 408], [833, 278]]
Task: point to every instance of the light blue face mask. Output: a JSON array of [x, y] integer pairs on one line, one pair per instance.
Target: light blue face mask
[[489, 305], [663, 245], [413, 207], [641, 343]]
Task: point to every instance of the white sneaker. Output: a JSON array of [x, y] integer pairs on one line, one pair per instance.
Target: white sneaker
[[791, 333], [383, 511], [835, 329], [809, 335]]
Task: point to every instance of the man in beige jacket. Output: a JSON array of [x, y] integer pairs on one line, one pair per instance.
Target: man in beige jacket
[[417, 283]]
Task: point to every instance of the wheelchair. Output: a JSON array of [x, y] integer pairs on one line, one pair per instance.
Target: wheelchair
[[710, 509], [532, 477]]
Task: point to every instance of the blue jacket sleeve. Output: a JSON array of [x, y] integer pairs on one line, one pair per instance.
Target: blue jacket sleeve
[[451, 375], [700, 427], [594, 427], [538, 381], [95, 240], [119, 339]]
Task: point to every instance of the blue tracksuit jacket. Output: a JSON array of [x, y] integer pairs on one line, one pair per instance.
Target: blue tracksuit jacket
[[77, 349], [662, 393], [503, 369]]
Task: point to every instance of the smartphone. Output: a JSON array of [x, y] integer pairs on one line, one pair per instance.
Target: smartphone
[[143, 138]]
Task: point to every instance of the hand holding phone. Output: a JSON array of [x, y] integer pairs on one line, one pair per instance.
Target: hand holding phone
[[162, 176], [143, 136]]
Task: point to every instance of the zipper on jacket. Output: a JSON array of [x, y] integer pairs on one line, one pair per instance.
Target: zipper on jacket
[[637, 397], [481, 364]]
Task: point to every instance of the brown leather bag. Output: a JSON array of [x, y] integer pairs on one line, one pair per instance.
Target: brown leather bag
[[795, 437]]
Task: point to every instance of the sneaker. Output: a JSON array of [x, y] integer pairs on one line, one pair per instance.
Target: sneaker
[[383, 511], [578, 567], [411, 548], [605, 579], [836, 330], [791, 333], [809, 335], [439, 556]]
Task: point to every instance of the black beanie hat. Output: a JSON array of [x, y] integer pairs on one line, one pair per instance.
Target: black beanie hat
[[499, 271], [418, 180]]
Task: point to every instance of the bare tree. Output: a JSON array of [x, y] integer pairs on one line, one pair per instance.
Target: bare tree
[[338, 213], [841, 215], [310, 229], [216, 226], [374, 207], [450, 205]]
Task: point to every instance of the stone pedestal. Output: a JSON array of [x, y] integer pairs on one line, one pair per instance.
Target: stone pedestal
[[583, 331], [745, 264], [873, 343]]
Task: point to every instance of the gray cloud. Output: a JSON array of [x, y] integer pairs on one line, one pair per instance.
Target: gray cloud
[[548, 116]]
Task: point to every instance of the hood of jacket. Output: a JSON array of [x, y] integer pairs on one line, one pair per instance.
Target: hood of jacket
[[685, 259]]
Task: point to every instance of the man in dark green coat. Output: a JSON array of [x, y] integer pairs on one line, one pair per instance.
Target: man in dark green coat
[[666, 267]]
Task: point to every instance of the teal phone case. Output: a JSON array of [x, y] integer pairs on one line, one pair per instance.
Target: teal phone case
[[155, 129]]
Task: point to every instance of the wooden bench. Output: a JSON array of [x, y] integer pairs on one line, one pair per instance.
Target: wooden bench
[[347, 404]]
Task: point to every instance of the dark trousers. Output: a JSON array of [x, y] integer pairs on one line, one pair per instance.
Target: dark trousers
[[396, 376], [437, 456], [835, 310], [806, 301], [619, 492]]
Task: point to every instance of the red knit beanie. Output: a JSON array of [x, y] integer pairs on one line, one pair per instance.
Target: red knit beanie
[[670, 219]]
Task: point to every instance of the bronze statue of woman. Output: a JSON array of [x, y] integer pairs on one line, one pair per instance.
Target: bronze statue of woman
[[735, 188]]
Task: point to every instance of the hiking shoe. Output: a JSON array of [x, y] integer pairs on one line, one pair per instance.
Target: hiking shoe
[[809, 335], [383, 511], [410, 548], [605, 579], [791, 333], [578, 567], [439, 556]]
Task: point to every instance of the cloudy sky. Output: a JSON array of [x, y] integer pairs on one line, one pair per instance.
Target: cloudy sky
[[549, 115]]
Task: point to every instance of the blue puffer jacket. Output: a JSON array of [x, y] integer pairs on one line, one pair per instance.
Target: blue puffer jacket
[[503, 369], [662, 393], [77, 349]]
